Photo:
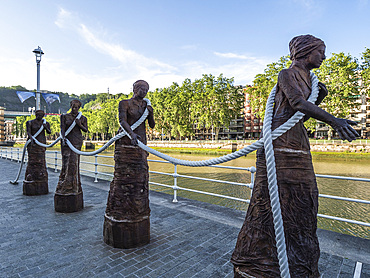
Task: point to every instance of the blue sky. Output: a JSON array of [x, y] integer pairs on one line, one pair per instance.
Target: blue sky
[[92, 45]]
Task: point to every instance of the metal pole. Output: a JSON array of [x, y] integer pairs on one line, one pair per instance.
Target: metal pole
[[38, 107], [56, 161], [175, 185], [96, 168], [18, 156], [11, 153]]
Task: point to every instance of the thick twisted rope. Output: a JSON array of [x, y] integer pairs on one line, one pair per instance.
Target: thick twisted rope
[[248, 149], [15, 181], [272, 180], [115, 138], [266, 141]]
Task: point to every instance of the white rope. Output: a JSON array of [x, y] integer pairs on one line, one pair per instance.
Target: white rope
[[256, 145], [272, 180], [115, 138], [265, 142], [15, 181]]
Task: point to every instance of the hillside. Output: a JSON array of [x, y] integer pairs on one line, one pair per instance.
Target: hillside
[[10, 100]]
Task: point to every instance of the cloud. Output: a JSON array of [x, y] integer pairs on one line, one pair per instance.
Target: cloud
[[63, 18], [117, 52], [231, 55], [131, 65]]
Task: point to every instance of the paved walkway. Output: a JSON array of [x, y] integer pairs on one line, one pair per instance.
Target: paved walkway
[[188, 239]]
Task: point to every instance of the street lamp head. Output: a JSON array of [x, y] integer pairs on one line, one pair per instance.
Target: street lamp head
[[38, 53]]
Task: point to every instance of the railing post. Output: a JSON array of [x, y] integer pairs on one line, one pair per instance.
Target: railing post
[[175, 184], [56, 161], [253, 170], [1, 151], [6, 153], [96, 168], [11, 153], [18, 159]]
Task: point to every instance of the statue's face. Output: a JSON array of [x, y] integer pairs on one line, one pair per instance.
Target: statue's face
[[39, 116], [74, 108], [317, 56], [142, 91]]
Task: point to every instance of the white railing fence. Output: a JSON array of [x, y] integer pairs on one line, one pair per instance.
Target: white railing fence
[[94, 169]]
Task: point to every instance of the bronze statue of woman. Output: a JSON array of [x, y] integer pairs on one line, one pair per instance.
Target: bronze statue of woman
[[126, 220], [68, 195], [255, 253], [36, 177]]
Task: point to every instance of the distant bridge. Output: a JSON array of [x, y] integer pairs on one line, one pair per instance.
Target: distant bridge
[[13, 114]]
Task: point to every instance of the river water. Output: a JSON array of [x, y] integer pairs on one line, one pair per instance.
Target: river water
[[328, 166]]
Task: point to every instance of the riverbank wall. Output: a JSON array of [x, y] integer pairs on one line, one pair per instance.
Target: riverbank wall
[[320, 146], [357, 146]]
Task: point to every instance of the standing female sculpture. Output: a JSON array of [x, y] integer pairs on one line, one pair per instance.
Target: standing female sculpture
[[68, 195], [255, 254], [36, 177], [126, 220]]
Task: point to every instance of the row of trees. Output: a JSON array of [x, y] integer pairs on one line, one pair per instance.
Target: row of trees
[[207, 102], [213, 101], [346, 78]]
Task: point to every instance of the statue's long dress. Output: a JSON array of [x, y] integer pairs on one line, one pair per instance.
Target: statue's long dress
[[69, 190], [127, 223], [255, 253], [36, 177]]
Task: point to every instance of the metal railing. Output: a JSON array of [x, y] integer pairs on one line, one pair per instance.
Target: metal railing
[[53, 160]]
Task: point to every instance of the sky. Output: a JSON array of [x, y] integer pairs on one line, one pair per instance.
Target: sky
[[92, 45]]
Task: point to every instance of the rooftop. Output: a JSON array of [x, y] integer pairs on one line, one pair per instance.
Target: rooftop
[[188, 238]]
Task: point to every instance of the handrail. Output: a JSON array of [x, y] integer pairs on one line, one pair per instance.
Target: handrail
[[13, 154]]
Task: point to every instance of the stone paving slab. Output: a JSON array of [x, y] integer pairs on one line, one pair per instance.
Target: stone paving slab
[[188, 239]]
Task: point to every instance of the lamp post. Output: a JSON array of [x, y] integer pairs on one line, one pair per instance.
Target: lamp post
[[38, 53]]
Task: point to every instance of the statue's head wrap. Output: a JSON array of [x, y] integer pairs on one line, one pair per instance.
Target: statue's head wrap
[[303, 45], [138, 84], [76, 101], [41, 112]]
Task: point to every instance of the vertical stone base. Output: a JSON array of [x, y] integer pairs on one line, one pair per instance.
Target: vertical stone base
[[125, 233], [68, 202], [32, 188]]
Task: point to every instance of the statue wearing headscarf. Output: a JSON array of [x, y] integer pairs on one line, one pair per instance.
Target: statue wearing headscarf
[[255, 253], [68, 194], [126, 221], [36, 177]]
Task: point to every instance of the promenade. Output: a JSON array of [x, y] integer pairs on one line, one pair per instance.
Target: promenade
[[188, 238]]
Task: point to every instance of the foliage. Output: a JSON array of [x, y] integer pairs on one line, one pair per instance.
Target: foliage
[[216, 101], [263, 84], [207, 102], [339, 74], [365, 72]]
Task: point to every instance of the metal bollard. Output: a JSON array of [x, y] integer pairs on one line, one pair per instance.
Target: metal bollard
[[56, 161], [175, 185], [96, 168], [11, 153], [18, 155]]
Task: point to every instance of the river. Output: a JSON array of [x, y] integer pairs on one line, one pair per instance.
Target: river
[[328, 166]]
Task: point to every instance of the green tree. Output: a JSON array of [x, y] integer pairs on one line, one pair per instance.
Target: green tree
[[216, 101], [263, 84], [365, 72], [340, 75]]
